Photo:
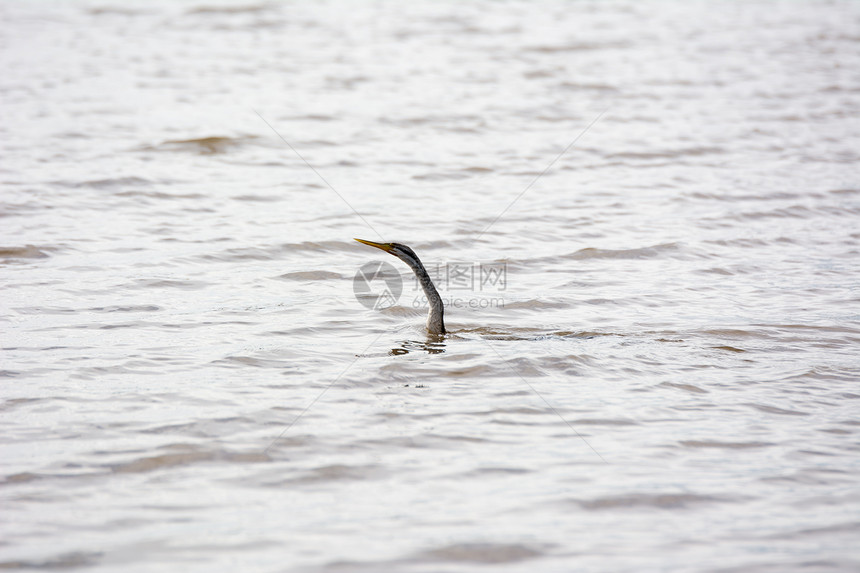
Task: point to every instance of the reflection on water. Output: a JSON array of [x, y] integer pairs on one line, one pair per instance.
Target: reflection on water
[[430, 347], [511, 334], [650, 325]]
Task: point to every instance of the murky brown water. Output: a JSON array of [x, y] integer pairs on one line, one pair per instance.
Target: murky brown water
[[653, 354]]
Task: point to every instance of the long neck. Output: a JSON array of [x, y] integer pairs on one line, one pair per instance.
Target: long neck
[[435, 317]]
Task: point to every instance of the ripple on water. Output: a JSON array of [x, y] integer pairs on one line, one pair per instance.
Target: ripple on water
[[715, 444], [185, 455], [158, 284], [638, 253], [245, 361], [442, 557], [162, 195], [108, 183], [483, 553], [774, 410], [668, 501], [203, 145], [331, 473], [64, 561], [14, 254], [311, 276], [94, 309]]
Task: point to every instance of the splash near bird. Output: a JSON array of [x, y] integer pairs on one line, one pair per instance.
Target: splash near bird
[[435, 320]]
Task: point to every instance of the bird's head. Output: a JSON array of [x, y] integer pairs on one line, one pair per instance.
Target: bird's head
[[400, 251]]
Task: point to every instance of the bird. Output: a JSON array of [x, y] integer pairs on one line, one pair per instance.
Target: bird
[[435, 316]]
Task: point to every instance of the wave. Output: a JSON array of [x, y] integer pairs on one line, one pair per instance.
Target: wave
[[657, 501], [639, 253], [8, 254], [111, 182], [212, 145], [310, 276]]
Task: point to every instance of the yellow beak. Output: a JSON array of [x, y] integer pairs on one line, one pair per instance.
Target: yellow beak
[[384, 246]]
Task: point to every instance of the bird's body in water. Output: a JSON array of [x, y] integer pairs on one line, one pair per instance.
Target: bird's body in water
[[435, 317]]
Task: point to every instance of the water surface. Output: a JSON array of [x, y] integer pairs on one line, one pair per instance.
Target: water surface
[[663, 378]]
